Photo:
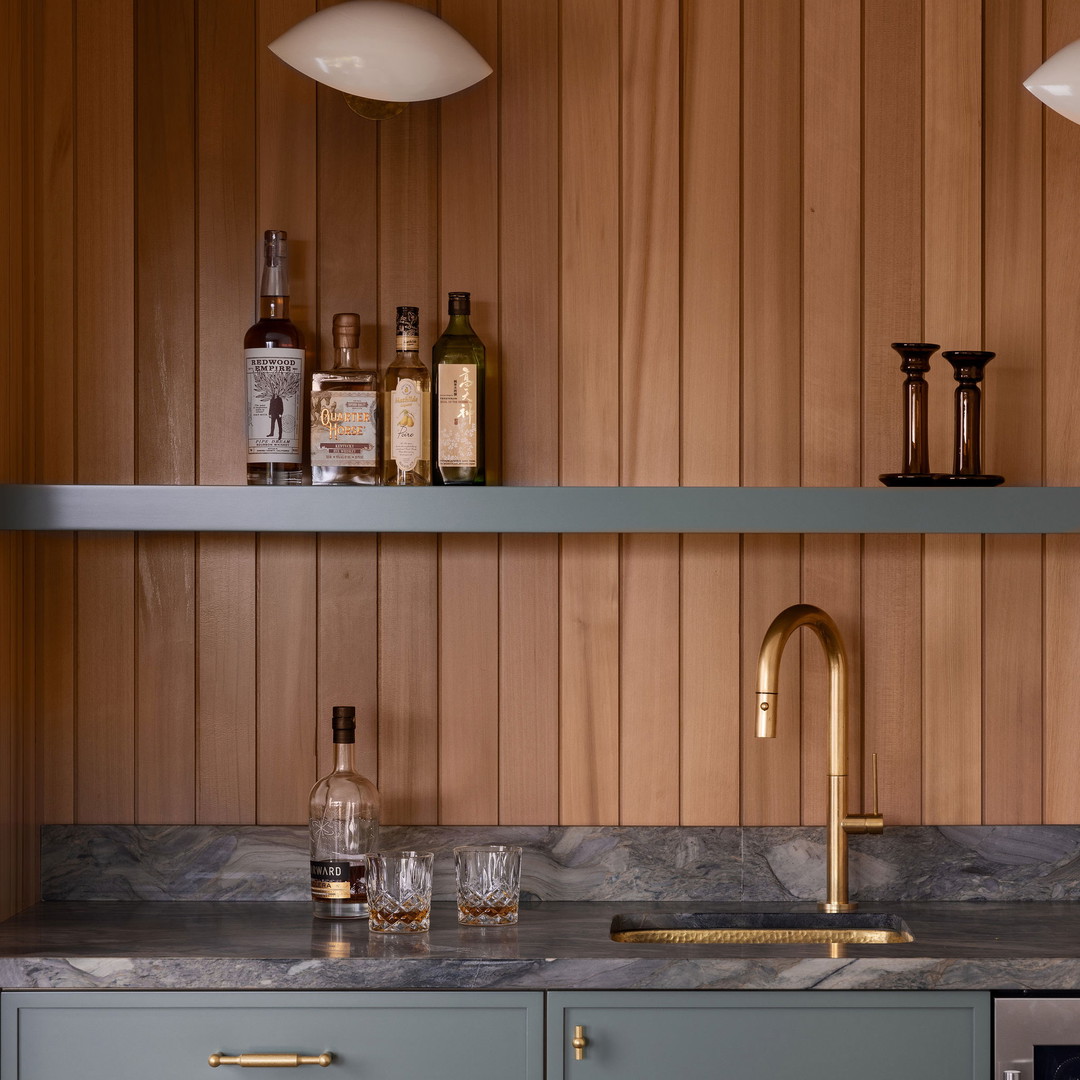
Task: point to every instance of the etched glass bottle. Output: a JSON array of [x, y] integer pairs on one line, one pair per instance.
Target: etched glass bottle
[[344, 824], [407, 408], [345, 413], [457, 361], [274, 359]]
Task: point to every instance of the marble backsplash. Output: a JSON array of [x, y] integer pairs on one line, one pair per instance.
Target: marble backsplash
[[759, 864]]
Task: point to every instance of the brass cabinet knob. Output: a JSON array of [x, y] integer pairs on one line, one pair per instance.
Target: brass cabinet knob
[[579, 1042], [269, 1061]]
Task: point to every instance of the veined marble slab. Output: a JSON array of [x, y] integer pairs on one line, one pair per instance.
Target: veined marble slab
[[261, 862]]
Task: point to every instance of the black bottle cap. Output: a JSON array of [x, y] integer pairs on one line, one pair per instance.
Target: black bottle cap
[[458, 303], [344, 724]]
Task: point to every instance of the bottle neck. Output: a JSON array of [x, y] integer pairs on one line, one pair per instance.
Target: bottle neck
[[345, 357], [274, 290], [344, 760], [459, 324]]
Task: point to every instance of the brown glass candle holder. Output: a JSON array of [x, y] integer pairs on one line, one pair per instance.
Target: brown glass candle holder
[[968, 366], [914, 363]]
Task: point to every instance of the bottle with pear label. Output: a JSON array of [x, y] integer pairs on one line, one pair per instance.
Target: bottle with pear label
[[407, 408], [457, 361], [344, 825], [274, 361]]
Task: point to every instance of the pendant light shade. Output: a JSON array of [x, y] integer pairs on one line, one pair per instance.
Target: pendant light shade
[[1057, 82], [381, 51]]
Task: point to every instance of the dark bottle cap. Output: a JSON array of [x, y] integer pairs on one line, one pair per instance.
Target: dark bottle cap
[[408, 321], [346, 330], [344, 724], [459, 303]]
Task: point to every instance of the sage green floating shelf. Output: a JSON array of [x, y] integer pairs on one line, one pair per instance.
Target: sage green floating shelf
[[147, 508]]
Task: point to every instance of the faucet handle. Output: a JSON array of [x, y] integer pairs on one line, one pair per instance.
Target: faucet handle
[[867, 823]]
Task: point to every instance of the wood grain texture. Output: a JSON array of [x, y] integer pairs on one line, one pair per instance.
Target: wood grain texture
[[227, 683], [1061, 328], [711, 706], [952, 311], [649, 587], [831, 364], [588, 395], [891, 311], [771, 260], [1013, 400]]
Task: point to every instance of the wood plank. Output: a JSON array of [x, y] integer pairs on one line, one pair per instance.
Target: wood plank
[[54, 447], [226, 734], [589, 681], [226, 284], [892, 671], [408, 680], [287, 716], [348, 566], [650, 394], [165, 447], [1013, 411], [832, 354], [469, 662], [409, 566], [468, 751], [529, 680], [589, 429], [1061, 626], [530, 357], [771, 247], [709, 692], [952, 307], [105, 313], [892, 311]]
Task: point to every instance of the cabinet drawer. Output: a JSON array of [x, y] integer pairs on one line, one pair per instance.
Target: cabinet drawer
[[95, 1035], [755, 1035]]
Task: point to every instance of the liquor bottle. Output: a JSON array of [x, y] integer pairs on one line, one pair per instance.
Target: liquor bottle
[[344, 823], [457, 361], [407, 411], [274, 358], [345, 413]]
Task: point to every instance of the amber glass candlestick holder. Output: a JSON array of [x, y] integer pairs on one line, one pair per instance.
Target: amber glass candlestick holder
[[968, 366], [914, 363]]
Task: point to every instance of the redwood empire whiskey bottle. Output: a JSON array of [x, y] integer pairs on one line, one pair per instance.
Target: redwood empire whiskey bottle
[[344, 824], [457, 362], [345, 413], [274, 358], [407, 413]]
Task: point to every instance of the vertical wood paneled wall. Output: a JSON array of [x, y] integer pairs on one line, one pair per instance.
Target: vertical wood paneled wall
[[691, 229]]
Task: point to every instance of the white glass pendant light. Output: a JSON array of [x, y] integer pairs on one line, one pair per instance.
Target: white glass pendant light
[[381, 54], [1057, 82]]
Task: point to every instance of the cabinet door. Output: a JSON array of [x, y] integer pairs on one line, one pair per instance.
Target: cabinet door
[[771, 1035], [373, 1036]]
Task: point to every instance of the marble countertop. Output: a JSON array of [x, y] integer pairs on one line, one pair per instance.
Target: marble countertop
[[562, 945]]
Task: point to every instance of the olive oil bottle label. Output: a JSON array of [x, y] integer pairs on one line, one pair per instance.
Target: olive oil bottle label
[[457, 415], [343, 428], [406, 424], [273, 394]]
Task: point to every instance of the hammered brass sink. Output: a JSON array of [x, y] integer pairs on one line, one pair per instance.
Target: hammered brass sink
[[761, 928]]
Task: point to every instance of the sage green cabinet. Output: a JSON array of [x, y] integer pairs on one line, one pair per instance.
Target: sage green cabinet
[[770, 1035], [95, 1035]]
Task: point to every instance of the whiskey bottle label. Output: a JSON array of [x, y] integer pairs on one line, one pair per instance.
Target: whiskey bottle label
[[273, 397], [457, 415], [332, 880], [343, 428], [406, 424]]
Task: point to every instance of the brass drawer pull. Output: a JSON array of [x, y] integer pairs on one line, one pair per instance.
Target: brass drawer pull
[[579, 1042], [269, 1061]]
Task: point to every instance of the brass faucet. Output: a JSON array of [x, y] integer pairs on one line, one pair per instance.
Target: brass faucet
[[840, 821]]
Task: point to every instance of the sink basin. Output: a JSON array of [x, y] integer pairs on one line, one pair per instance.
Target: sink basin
[[761, 928]]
